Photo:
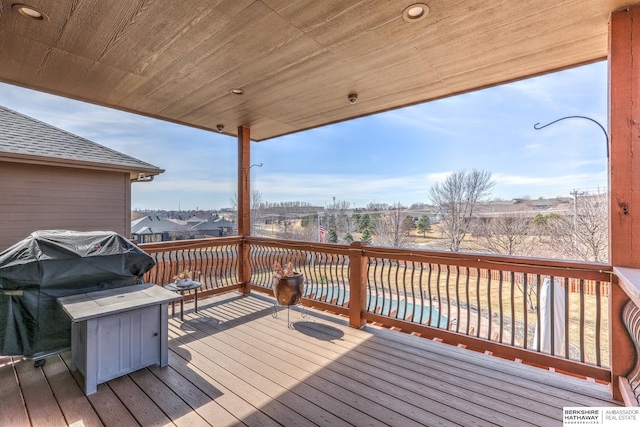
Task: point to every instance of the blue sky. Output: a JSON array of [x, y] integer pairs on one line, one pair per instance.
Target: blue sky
[[391, 157]]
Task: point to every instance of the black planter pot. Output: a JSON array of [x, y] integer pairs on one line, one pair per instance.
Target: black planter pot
[[288, 290]]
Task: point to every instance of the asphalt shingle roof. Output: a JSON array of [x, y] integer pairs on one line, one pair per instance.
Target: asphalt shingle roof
[[20, 134], [153, 224]]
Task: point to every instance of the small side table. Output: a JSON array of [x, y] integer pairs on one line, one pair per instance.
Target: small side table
[[191, 286]]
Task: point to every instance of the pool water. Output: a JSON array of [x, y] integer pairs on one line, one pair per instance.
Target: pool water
[[420, 314]]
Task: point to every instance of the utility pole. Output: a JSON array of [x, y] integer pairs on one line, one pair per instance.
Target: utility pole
[[574, 193]]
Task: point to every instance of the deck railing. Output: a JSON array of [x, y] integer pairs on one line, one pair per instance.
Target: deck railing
[[495, 304], [625, 302], [491, 303], [325, 268], [215, 260]]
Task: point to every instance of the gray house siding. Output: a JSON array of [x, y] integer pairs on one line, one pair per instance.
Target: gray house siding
[[36, 197]]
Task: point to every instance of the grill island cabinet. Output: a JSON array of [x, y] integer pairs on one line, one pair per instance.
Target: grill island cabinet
[[118, 331]]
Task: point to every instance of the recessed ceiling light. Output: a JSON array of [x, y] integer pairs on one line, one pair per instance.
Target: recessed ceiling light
[[415, 12], [29, 12], [236, 91]]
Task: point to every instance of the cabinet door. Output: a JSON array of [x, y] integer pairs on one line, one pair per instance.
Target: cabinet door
[[128, 341]]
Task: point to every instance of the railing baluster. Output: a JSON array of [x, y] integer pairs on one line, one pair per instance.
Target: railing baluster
[[430, 294], [489, 304], [216, 270], [371, 281], [208, 268], [399, 297], [413, 292], [448, 299], [310, 277], [457, 299], [226, 260], [551, 312], [422, 293], [478, 307], [582, 320], [331, 287], [538, 319], [386, 287], [338, 273], [566, 317], [468, 300], [439, 297], [501, 298], [306, 271], [513, 309], [598, 322], [525, 308]]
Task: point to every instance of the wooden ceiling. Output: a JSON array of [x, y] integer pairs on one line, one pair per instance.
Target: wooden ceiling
[[296, 60]]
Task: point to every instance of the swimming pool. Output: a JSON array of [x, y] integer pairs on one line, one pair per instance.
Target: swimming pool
[[401, 309]]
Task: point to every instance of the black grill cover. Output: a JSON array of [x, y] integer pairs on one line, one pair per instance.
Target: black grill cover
[[55, 263]]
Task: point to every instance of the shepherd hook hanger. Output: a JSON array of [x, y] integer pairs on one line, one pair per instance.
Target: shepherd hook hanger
[[537, 127]]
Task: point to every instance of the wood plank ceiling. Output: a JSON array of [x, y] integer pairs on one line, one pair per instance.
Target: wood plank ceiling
[[296, 60]]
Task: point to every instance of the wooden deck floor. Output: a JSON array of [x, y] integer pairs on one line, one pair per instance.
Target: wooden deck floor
[[232, 363]]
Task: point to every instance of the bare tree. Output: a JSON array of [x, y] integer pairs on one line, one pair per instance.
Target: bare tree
[[336, 218], [257, 211], [391, 228], [184, 232], [308, 232], [583, 235], [504, 234], [287, 224], [456, 199], [375, 206]]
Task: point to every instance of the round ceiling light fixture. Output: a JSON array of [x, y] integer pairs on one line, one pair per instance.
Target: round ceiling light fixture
[[29, 12], [236, 91], [415, 12]]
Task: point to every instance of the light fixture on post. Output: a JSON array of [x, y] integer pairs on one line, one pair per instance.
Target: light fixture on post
[[29, 12], [415, 12]]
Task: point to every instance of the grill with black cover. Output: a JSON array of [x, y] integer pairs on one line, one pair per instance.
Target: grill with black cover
[[54, 263]]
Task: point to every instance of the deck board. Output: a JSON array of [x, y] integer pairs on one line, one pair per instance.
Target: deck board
[[413, 391], [110, 408], [300, 375], [287, 378], [142, 408], [14, 413], [403, 407], [39, 400], [195, 398], [73, 404], [233, 363]]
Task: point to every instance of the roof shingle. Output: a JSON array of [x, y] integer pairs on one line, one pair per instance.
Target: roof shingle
[[20, 134]]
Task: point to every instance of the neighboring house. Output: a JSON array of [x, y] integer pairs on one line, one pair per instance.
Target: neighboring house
[[154, 228], [52, 179], [525, 207], [216, 228]]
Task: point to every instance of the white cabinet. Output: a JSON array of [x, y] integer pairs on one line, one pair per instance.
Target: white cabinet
[[118, 331]]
